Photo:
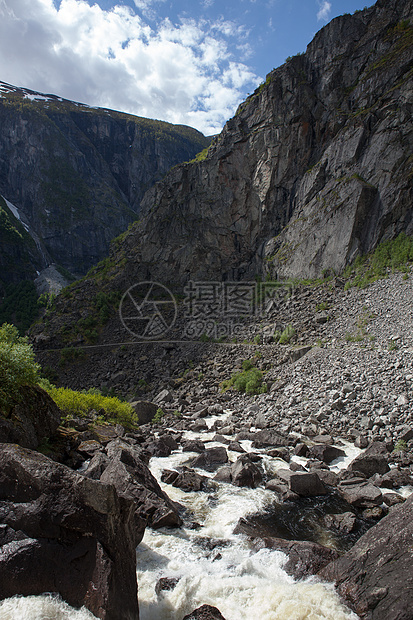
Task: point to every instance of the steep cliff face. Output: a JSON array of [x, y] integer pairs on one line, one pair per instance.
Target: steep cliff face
[[78, 174], [315, 167]]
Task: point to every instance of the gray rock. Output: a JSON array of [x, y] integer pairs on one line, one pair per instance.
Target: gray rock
[[210, 457], [37, 416], [375, 576], [244, 473], [363, 495], [145, 410], [369, 464], [66, 534], [307, 484]]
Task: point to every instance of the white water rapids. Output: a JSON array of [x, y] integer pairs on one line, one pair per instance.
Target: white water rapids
[[242, 584]]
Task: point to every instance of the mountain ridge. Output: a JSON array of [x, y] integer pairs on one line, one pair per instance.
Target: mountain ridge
[[78, 173]]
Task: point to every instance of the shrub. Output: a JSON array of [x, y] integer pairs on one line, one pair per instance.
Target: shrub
[[17, 365], [249, 380], [287, 335], [81, 403]]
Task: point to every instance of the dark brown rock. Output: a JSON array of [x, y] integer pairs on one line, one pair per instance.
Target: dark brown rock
[[375, 576], [145, 410], [133, 480], [166, 583], [210, 457], [325, 453], [370, 464], [34, 418], [244, 473], [66, 534], [363, 495], [205, 612], [304, 558], [306, 484]]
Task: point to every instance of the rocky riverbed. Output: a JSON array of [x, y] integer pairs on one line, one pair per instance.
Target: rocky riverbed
[[240, 501]]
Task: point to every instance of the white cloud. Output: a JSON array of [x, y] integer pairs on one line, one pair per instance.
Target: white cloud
[[324, 11], [183, 73]]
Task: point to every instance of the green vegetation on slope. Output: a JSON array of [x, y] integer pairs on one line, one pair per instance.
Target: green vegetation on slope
[[74, 403], [17, 366], [389, 256], [248, 380]]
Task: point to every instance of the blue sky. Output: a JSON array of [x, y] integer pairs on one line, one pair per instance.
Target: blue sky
[[189, 62]]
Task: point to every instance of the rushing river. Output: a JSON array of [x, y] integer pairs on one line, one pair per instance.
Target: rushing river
[[210, 563]]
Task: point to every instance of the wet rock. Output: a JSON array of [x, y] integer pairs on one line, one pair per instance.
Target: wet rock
[[66, 534], [375, 576], [361, 495], [166, 584], [296, 466], [394, 479], [301, 449], [325, 453], [205, 612], [280, 453], [369, 464], [305, 558], [235, 446], [210, 457], [193, 445], [328, 477], [307, 484], [223, 474], [345, 523], [158, 448], [133, 480], [268, 438], [392, 499], [37, 416], [244, 473], [188, 480]]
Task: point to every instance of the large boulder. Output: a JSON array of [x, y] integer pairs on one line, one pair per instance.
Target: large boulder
[[145, 410], [360, 495], [370, 464], [133, 480], [64, 533], [34, 418], [210, 458], [244, 473], [375, 576]]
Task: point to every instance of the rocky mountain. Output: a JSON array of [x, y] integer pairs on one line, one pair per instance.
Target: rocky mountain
[[313, 170], [74, 176]]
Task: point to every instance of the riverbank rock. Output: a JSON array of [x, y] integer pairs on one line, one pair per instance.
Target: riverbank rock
[[305, 558], [34, 418], [205, 612], [375, 577], [64, 533], [244, 473], [133, 480]]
